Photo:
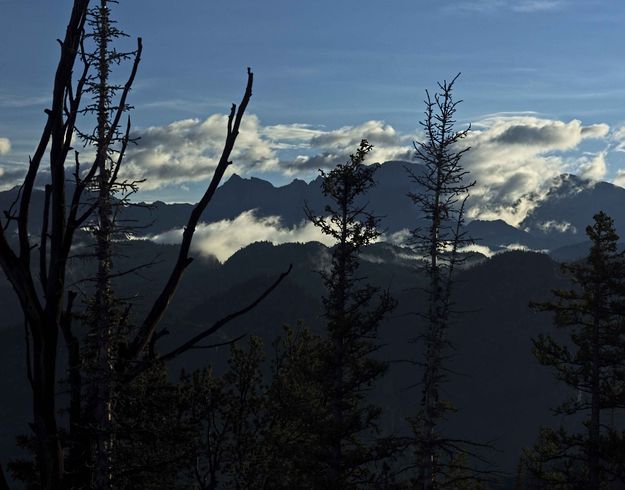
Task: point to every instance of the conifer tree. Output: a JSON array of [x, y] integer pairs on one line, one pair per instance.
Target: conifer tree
[[105, 319], [349, 446], [229, 417], [153, 433], [592, 364], [443, 187], [296, 402]]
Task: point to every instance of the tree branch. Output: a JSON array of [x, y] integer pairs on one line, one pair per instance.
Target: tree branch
[[192, 342], [158, 308]]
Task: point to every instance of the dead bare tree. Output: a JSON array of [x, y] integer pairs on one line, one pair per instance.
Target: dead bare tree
[[105, 313], [41, 288], [43, 311], [443, 188]]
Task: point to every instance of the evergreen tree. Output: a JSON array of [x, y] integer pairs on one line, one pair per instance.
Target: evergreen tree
[[443, 188], [592, 364], [229, 418], [349, 447], [93, 380], [296, 403], [153, 433]]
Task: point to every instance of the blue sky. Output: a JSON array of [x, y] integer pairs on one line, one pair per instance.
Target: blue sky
[[328, 73]]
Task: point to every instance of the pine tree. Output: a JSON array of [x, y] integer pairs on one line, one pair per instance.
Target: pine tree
[[591, 363], [296, 402], [105, 319], [349, 446], [153, 433], [443, 187], [229, 418]]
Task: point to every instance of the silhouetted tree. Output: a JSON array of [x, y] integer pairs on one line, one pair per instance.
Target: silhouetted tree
[[296, 402], [443, 187], [592, 363], [349, 446], [153, 433], [48, 308], [229, 418], [106, 320]]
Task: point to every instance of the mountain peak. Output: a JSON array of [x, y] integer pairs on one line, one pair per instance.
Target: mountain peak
[[234, 178]]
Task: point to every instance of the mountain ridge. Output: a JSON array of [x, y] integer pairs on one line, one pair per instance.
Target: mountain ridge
[[557, 220]]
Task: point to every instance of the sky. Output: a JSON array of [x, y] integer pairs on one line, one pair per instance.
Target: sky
[[542, 84]]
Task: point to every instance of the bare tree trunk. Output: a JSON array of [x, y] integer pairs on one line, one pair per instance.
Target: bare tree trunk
[[45, 330], [103, 307], [50, 452], [339, 351], [43, 309], [77, 457], [442, 186], [436, 324]]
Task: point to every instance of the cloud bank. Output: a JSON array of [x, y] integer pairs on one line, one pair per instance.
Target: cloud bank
[[514, 158], [189, 150], [223, 238]]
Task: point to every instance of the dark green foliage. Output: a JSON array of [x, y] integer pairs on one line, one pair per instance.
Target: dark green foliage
[[349, 447], [153, 433], [296, 403], [229, 418], [587, 452], [26, 470]]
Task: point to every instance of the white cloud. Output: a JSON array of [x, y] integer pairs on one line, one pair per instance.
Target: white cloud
[[517, 246], [619, 179], [559, 226], [297, 135], [595, 131], [521, 6], [514, 160], [618, 139], [11, 174], [401, 238], [328, 148], [481, 249], [593, 167], [5, 146], [223, 238], [189, 150]]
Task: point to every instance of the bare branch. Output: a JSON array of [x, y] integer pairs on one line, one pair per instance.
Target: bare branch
[[154, 316], [43, 243], [191, 343]]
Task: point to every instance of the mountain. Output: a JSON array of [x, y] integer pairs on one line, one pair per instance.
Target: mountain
[[502, 393], [498, 235], [557, 220], [562, 216], [237, 194]]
